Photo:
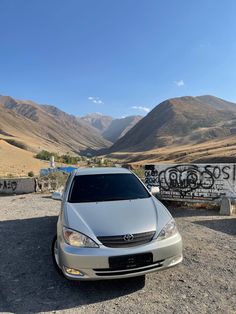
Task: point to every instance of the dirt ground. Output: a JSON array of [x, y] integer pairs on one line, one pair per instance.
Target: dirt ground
[[204, 283]]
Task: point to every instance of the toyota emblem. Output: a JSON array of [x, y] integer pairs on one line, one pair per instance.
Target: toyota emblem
[[128, 237]]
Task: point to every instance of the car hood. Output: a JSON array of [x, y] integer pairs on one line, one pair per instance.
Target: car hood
[[113, 218]]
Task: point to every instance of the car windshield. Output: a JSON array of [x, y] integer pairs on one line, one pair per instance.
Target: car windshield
[[106, 187]]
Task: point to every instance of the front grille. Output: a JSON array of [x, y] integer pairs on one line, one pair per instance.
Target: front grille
[[118, 241]]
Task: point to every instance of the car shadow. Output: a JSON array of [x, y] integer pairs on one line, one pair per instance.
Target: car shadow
[[227, 226], [28, 280]]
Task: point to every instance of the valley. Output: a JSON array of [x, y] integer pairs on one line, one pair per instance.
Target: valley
[[185, 129]]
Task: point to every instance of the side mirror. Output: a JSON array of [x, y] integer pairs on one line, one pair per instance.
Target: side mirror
[[154, 190], [57, 196]]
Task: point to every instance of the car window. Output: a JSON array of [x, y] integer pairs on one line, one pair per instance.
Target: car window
[[106, 187]]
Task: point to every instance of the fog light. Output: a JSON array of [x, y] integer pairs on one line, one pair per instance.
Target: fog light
[[177, 259], [72, 271]]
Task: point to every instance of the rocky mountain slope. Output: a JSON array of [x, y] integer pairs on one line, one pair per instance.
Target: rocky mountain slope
[[46, 127], [180, 121], [97, 120], [178, 129], [119, 127], [111, 129]]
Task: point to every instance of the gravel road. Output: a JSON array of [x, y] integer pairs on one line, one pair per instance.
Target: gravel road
[[204, 283]]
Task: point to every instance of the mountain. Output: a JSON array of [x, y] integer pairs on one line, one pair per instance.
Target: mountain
[[110, 128], [179, 129], [180, 121], [217, 103], [97, 120], [40, 127], [119, 127]]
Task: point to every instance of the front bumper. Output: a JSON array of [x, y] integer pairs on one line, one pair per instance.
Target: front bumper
[[93, 263]]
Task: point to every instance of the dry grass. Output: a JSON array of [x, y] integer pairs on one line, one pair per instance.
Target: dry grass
[[223, 148], [18, 162]]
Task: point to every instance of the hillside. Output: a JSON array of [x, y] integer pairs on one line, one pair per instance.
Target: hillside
[[18, 162], [110, 128], [45, 127], [217, 103], [183, 129], [180, 121], [97, 120], [119, 127], [218, 150]]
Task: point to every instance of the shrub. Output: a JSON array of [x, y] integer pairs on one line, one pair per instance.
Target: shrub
[[45, 155], [66, 159], [30, 174], [10, 175]]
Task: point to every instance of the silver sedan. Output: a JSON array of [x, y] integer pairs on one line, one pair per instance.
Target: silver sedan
[[110, 226]]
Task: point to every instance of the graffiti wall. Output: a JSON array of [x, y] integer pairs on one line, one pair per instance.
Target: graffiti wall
[[17, 186], [192, 181]]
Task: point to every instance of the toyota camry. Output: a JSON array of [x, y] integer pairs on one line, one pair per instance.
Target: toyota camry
[[111, 226]]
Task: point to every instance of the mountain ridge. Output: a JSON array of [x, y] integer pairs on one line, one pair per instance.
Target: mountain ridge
[[179, 121], [175, 122], [111, 128], [46, 127]]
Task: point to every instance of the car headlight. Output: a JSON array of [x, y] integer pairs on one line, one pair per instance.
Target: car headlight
[[77, 239], [169, 230]]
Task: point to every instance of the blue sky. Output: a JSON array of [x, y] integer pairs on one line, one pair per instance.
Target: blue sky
[[117, 57]]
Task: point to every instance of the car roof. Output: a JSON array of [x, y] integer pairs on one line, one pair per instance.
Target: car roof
[[100, 170]]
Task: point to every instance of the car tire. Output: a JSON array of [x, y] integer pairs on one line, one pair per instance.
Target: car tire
[[54, 257]]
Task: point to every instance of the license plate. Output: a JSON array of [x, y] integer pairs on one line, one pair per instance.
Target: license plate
[[130, 261]]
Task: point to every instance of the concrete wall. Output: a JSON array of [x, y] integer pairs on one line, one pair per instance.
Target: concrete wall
[[17, 186], [192, 181], [46, 184]]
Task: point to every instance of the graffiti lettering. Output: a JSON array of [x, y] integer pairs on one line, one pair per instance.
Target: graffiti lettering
[[192, 181], [8, 185]]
